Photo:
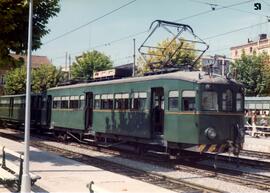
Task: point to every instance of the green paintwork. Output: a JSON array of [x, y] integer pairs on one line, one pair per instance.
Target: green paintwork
[[68, 119]]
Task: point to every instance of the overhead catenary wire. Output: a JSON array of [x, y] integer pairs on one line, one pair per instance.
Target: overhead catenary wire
[[184, 18], [219, 7], [206, 38], [235, 30], [232, 8], [86, 24]]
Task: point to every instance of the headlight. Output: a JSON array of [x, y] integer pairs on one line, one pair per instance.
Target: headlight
[[211, 133]]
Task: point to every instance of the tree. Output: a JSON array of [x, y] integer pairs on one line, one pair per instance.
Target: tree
[[89, 62], [44, 77], [157, 58], [254, 73], [15, 81], [14, 25]]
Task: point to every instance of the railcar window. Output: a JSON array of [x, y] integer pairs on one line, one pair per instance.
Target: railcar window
[[74, 102], [4, 102], [82, 102], [64, 102], [106, 101], [56, 102], [121, 101], [227, 101], [18, 102], [139, 101], [209, 101], [239, 102], [97, 102], [173, 100], [188, 100]]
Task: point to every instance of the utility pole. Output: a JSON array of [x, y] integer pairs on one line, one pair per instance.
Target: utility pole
[[66, 58], [26, 180], [134, 57], [69, 67]]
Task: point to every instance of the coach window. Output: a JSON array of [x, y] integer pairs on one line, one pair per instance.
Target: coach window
[[106, 101], [5, 102], [122, 101], [74, 102], [227, 101], [81, 104], [110, 101], [56, 102], [239, 102], [173, 100], [188, 100], [17, 103], [139, 101], [97, 101], [64, 102], [209, 101]]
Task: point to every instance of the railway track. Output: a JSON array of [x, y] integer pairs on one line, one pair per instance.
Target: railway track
[[159, 180], [255, 154], [260, 182]]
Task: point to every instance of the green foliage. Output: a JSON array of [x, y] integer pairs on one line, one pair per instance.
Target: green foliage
[[44, 77], [182, 57], [254, 73], [15, 81], [14, 25], [88, 63]]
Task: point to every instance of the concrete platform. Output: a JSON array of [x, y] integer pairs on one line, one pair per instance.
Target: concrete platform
[[59, 174], [257, 144]]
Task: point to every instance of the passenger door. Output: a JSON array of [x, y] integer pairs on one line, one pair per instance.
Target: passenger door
[[157, 111], [88, 110]]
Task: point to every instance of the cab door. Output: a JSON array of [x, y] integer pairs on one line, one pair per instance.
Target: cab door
[[88, 110]]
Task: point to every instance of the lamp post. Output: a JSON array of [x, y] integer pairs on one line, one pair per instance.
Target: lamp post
[[26, 180]]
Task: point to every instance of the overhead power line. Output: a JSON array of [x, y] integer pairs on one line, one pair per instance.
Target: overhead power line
[[217, 7], [92, 21], [235, 30], [184, 18], [212, 10]]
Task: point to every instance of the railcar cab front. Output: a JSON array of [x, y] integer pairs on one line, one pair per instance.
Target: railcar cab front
[[221, 113]]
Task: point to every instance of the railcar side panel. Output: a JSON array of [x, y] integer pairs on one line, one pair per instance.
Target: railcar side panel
[[181, 128], [66, 118]]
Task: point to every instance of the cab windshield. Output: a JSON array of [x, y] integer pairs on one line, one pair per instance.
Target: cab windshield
[[209, 101], [229, 102]]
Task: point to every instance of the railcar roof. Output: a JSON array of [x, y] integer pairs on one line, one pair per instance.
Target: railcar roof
[[193, 76], [257, 98], [18, 95]]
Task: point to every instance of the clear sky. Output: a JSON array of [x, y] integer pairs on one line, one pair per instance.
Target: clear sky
[[212, 26]]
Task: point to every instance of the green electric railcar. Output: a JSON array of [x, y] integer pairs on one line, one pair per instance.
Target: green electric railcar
[[180, 110]]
